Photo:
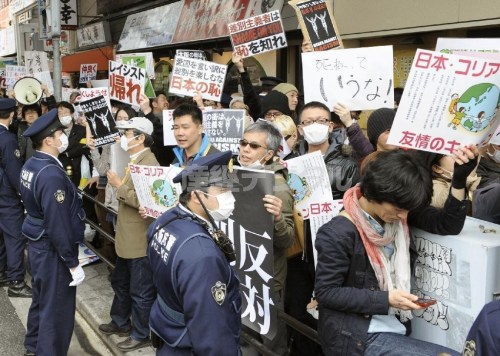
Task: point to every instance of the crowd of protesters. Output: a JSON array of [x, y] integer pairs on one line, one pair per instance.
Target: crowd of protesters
[[357, 297]]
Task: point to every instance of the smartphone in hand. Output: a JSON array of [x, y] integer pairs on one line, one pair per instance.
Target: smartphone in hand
[[425, 302]]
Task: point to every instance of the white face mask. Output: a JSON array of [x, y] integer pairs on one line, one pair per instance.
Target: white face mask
[[255, 165], [64, 143], [495, 156], [315, 134], [124, 143], [66, 120], [226, 206]]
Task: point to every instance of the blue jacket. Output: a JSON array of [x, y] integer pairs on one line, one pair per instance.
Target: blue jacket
[[484, 335], [199, 303], [205, 149], [10, 170], [53, 206]]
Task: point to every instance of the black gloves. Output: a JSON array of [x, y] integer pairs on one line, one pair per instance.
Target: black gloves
[[461, 172]]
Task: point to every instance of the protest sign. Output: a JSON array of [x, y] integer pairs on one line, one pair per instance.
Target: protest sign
[[191, 75], [461, 273], [66, 93], [88, 72], [224, 128], [361, 78], [13, 74], [318, 24], [3, 84], [144, 61], [119, 160], [460, 45], [45, 78], [253, 245], [168, 128], [257, 34], [154, 187], [86, 255], [90, 93], [449, 101], [126, 83], [191, 53], [36, 61], [100, 119]]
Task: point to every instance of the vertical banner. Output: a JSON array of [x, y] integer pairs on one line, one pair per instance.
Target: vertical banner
[[362, 78], [191, 75], [224, 128], [318, 24], [258, 34], [88, 72], [100, 119], [449, 101], [69, 14], [254, 250], [154, 187], [36, 62], [126, 83]]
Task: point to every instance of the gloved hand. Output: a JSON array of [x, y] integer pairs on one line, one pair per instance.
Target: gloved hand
[[465, 162], [78, 276]]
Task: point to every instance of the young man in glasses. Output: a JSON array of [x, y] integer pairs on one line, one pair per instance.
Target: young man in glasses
[[257, 149], [192, 143], [315, 125]]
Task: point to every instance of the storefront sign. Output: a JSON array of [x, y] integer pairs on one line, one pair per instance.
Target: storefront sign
[[95, 34]]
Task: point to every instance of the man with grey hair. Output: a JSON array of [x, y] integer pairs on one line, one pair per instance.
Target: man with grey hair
[[258, 149]]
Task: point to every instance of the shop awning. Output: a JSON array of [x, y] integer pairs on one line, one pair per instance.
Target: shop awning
[[101, 56]]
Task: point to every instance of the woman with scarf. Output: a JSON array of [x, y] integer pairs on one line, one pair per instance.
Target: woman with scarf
[[365, 261]]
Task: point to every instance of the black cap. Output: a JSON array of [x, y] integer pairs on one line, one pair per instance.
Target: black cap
[[7, 104], [44, 126], [212, 170], [275, 100], [378, 122], [269, 83]]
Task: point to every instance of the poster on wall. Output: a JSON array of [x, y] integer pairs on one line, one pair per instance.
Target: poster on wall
[[449, 101], [318, 24]]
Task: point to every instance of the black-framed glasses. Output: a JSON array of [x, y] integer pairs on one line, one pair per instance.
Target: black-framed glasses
[[253, 145], [321, 121], [272, 115]]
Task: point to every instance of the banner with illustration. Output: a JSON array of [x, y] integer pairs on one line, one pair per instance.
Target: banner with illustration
[[224, 128], [318, 24], [154, 187], [449, 101], [361, 78], [101, 121]]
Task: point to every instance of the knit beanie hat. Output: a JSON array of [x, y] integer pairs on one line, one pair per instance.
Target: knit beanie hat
[[379, 121], [275, 100], [236, 99], [285, 88]]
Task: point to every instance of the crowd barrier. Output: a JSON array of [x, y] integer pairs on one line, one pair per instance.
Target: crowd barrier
[[252, 341]]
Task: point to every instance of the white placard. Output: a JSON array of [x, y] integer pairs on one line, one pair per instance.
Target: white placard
[[191, 75], [453, 45], [126, 83], [88, 72], [361, 78], [449, 101], [258, 34], [45, 78], [13, 74], [154, 187], [36, 61]]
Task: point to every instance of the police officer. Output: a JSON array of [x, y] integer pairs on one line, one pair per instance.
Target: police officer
[[197, 310], [11, 208], [54, 225]]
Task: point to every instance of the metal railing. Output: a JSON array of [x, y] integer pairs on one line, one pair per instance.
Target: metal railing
[[252, 341]]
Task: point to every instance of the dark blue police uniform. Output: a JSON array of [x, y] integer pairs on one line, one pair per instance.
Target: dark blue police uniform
[[11, 209], [198, 307], [484, 335], [54, 226]]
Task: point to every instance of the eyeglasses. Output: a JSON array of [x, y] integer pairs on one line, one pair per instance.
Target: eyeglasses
[[273, 115], [253, 145], [322, 121]]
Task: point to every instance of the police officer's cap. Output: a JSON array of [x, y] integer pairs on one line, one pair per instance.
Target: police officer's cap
[[44, 126], [7, 104], [211, 170]]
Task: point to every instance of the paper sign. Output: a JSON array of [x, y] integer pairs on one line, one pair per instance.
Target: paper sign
[[224, 128], [100, 119], [88, 72], [90, 93], [154, 187], [361, 78], [126, 83], [257, 34], [191, 75], [36, 61], [449, 101], [478, 45], [191, 53], [317, 24], [13, 74]]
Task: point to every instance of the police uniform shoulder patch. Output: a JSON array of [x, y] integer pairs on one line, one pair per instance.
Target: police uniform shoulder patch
[[17, 153], [219, 292], [60, 195], [470, 348]]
